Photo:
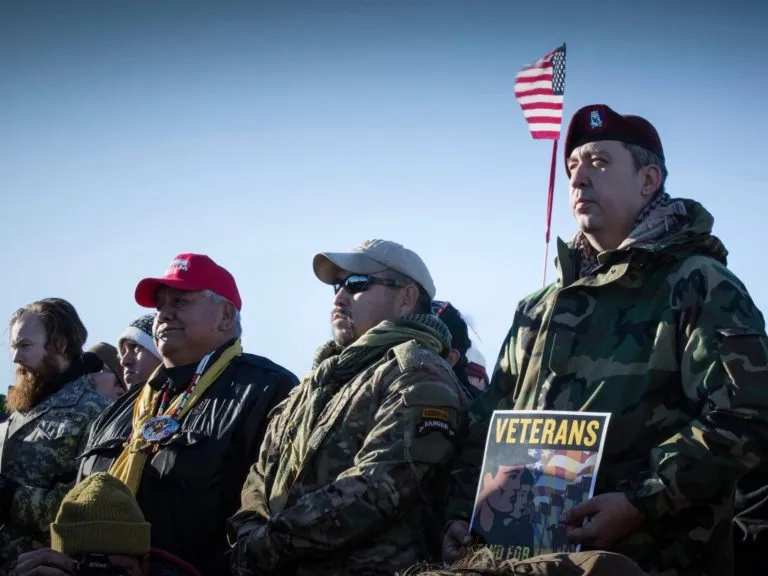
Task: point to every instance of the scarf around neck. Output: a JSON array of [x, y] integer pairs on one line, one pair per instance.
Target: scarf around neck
[[662, 217], [129, 465], [333, 368]]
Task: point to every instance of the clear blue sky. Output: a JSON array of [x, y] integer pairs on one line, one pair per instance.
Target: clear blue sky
[[262, 132]]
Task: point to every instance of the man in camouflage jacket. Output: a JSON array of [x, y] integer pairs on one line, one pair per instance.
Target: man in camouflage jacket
[[352, 475], [52, 405], [645, 321]]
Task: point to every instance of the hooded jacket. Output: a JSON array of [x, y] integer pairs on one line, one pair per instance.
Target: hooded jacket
[[667, 339]]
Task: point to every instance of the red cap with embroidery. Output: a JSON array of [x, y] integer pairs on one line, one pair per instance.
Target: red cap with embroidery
[[190, 272]]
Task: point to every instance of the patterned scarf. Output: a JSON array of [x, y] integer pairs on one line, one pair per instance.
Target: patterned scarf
[[335, 367], [662, 217]]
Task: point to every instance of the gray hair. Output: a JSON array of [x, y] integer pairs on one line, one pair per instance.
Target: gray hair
[[643, 157], [238, 327]]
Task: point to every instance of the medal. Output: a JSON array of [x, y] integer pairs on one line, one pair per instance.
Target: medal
[[163, 426], [159, 428]]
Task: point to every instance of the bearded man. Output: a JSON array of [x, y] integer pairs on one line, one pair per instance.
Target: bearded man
[[51, 406], [183, 442]]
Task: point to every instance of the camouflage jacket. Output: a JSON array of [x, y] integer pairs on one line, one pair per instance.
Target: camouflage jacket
[[667, 339], [363, 496], [38, 451]]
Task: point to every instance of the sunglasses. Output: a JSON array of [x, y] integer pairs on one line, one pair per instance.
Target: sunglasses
[[357, 283]]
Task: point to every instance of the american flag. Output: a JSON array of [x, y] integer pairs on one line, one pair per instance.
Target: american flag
[[539, 89], [562, 467]]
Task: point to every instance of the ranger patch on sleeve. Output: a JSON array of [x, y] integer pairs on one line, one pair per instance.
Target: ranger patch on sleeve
[[435, 420]]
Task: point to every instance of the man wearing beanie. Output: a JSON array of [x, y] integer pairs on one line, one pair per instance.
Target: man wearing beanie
[[352, 475], [644, 321], [184, 441], [99, 522], [139, 356]]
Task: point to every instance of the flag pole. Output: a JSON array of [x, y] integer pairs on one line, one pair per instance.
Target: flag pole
[[550, 200]]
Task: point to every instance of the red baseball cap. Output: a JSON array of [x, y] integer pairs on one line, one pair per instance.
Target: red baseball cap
[[191, 272]]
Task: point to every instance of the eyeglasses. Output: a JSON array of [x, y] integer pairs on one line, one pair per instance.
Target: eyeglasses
[[357, 283]]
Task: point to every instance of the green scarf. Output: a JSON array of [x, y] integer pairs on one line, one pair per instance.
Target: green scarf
[[328, 377]]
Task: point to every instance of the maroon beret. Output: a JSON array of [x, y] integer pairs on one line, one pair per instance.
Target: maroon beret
[[598, 122]]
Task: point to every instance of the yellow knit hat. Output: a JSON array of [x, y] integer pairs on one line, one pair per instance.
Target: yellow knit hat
[[100, 516]]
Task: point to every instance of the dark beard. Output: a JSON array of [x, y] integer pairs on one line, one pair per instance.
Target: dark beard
[[345, 336], [32, 386]]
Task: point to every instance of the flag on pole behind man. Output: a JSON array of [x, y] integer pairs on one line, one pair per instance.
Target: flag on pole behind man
[[539, 89]]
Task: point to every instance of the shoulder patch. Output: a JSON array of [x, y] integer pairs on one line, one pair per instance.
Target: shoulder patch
[[427, 425], [435, 414]]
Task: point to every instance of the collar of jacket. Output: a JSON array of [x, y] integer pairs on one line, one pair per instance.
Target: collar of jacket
[[695, 237]]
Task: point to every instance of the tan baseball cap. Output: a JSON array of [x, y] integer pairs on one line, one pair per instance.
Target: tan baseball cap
[[371, 257]]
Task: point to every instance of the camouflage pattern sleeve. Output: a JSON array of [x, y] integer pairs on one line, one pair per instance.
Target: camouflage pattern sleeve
[[413, 434], [33, 509], [724, 369], [465, 470]]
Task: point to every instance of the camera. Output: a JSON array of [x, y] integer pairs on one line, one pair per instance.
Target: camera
[[98, 565]]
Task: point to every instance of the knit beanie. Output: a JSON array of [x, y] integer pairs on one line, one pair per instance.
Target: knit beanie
[[109, 355], [100, 516], [140, 331]]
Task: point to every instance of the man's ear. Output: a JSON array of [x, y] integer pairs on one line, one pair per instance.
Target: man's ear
[[228, 317], [409, 299], [651, 180], [58, 345]]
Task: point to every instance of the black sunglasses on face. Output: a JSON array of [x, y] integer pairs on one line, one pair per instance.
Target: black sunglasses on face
[[357, 283]]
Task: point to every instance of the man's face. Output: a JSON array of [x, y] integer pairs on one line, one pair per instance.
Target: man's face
[[29, 342], [107, 383], [137, 362], [502, 488], [37, 364], [606, 191], [354, 314], [187, 325]]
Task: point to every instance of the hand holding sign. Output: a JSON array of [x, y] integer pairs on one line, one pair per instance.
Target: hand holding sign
[[611, 518]]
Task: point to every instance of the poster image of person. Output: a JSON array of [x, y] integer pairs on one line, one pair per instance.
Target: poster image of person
[[505, 504]]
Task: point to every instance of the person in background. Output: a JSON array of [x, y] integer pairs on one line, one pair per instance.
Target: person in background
[[109, 380], [476, 370], [139, 356], [51, 405], [460, 342], [184, 441]]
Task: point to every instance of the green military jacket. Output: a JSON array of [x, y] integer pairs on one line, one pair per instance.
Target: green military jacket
[[38, 451], [665, 338], [369, 492]]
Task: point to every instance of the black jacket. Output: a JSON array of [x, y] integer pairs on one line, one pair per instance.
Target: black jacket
[[192, 485]]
